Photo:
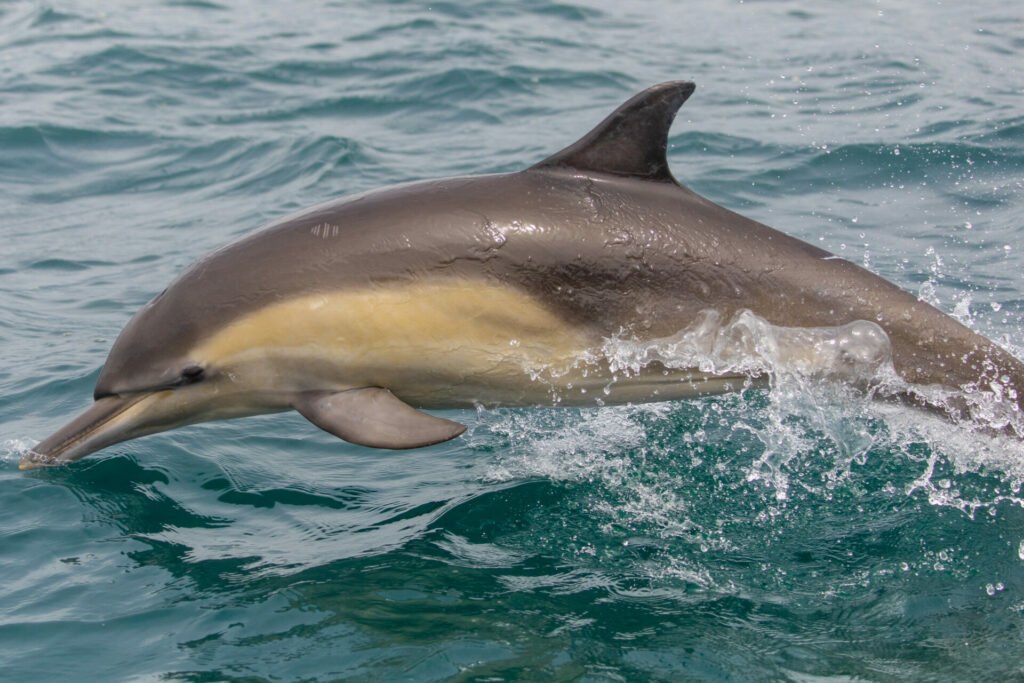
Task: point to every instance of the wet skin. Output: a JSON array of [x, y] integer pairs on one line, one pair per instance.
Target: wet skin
[[488, 290]]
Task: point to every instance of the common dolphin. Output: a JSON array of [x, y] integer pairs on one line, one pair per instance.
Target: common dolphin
[[494, 290]]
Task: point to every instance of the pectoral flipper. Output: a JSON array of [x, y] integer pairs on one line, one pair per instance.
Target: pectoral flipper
[[374, 417]]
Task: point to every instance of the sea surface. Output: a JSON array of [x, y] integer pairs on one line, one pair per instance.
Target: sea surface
[[802, 533]]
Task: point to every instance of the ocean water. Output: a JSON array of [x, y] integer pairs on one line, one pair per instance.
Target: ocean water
[[799, 534]]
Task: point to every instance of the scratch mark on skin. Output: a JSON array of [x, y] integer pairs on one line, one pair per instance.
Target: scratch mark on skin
[[325, 230]]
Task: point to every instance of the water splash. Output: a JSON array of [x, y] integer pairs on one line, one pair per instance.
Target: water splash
[[748, 344], [818, 430], [13, 450]]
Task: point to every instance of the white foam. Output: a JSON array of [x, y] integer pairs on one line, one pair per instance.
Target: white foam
[[817, 424], [13, 450]]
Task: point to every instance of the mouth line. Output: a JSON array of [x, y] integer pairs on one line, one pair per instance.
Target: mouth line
[[34, 458]]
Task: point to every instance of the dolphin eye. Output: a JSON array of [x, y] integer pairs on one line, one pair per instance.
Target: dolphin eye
[[191, 373]]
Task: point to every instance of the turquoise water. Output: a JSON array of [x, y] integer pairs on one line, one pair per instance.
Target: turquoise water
[[799, 534]]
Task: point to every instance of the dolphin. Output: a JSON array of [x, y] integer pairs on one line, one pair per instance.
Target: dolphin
[[496, 290]]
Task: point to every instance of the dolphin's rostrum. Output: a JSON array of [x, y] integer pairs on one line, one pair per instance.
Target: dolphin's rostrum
[[494, 290]]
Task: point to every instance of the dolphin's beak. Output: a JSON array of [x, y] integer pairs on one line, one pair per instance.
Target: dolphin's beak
[[103, 424]]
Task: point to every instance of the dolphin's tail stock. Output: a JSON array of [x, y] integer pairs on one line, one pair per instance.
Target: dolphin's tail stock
[[952, 369]]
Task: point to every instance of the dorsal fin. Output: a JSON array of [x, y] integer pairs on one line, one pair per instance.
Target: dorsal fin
[[632, 141]]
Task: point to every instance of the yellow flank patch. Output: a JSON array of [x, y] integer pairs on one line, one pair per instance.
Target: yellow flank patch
[[460, 327]]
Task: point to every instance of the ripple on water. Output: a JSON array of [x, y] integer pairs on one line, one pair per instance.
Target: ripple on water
[[798, 533]]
